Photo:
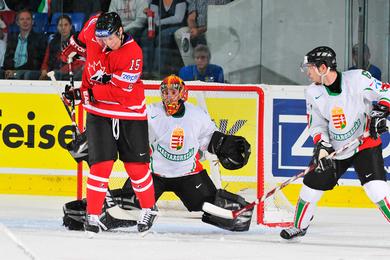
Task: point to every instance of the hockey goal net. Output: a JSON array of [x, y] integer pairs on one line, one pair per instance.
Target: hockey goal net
[[236, 110]]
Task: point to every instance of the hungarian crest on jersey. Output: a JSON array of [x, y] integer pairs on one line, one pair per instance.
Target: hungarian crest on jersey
[[338, 118], [177, 139]]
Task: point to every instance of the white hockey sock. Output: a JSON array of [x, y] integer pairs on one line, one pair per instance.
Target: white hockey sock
[[379, 193], [306, 206]]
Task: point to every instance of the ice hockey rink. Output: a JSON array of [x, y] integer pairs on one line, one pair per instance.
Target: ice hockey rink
[[31, 228]]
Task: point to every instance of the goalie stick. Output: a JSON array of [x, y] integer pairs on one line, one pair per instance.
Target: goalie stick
[[233, 214]]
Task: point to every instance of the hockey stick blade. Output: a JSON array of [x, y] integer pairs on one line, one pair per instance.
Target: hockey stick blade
[[232, 214]]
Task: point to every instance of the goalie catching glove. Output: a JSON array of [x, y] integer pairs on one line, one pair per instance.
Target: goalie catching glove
[[378, 116], [232, 151]]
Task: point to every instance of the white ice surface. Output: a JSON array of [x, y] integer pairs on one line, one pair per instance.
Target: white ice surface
[[336, 233]]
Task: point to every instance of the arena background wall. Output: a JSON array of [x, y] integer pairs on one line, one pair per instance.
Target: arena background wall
[[34, 126]]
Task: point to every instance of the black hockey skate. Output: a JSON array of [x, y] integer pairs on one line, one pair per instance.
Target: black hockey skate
[[146, 219], [92, 225], [293, 232]]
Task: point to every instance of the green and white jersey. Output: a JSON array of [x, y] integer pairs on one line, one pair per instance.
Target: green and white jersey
[[339, 118], [175, 141]]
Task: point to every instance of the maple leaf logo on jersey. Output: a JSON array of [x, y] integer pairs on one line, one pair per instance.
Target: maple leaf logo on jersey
[[98, 73], [177, 138], [338, 118]]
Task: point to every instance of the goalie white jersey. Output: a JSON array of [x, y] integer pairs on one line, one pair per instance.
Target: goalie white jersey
[[175, 141], [340, 118]]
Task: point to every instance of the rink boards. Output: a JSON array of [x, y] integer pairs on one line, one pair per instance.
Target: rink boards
[[34, 128]]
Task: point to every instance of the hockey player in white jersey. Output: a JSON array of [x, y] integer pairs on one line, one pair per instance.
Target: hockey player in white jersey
[[177, 131], [340, 109]]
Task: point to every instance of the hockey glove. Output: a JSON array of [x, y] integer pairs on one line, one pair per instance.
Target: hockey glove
[[74, 49], [78, 94], [232, 151], [378, 116], [321, 151]]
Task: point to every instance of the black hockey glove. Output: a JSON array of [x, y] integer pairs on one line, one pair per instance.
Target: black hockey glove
[[378, 116], [71, 94], [321, 151], [232, 151], [78, 94]]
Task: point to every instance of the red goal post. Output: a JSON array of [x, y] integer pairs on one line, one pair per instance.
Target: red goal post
[[236, 109]]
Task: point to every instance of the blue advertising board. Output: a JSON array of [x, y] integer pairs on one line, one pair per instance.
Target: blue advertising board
[[291, 144]]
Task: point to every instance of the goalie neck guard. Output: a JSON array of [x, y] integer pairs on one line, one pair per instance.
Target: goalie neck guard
[[173, 93]]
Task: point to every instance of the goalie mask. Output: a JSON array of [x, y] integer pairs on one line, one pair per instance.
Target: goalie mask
[[173, 93]]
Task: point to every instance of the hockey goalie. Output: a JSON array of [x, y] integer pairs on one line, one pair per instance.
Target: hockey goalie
[[179, 132]]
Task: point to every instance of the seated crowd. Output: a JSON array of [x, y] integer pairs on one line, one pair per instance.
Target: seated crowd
[[33, 35]]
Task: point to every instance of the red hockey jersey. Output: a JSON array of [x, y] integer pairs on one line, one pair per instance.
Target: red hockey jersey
[[123, 96]]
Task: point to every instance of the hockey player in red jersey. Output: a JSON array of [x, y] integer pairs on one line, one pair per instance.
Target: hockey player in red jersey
[[113, 96], [340, 109]]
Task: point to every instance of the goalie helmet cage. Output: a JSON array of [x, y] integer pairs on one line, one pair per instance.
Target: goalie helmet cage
[[236, 109]]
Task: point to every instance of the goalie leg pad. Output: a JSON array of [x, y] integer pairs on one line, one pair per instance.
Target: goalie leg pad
[[74, 214], [231, 201]]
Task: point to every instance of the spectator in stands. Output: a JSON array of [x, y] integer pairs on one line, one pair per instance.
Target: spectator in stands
[[25, 50], [88, 7], [374, 70], [202, 69], [197, 21], [195, 31], [167, 20], [132, 15], [52, 60], [3, 41]]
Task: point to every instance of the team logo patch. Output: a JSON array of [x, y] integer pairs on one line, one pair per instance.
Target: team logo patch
[[177, 139], [338, 118], [96, 70]]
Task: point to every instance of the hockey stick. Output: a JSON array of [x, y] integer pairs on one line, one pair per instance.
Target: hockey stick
[[71, 114], [80, 146], [233, 214]]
